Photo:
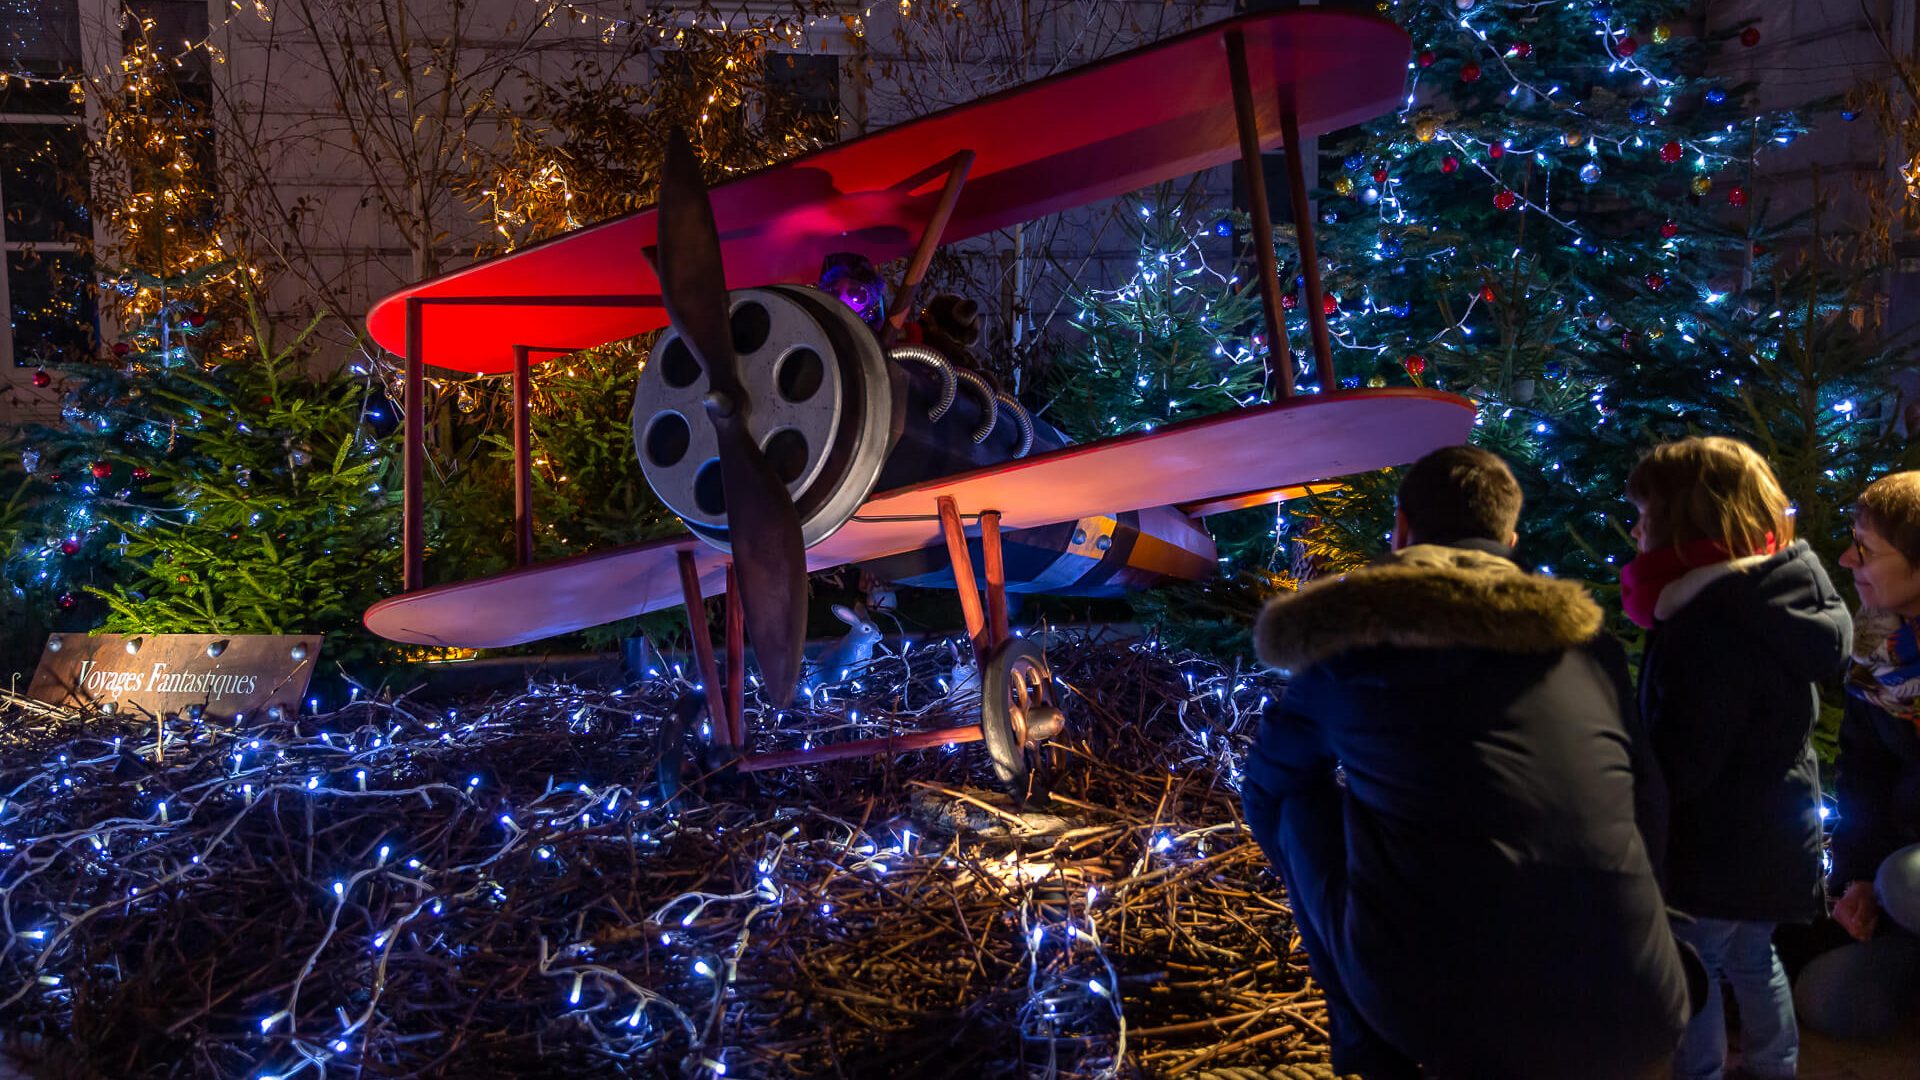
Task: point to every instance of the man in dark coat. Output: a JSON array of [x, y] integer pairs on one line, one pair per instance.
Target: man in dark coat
[[1448, 788]]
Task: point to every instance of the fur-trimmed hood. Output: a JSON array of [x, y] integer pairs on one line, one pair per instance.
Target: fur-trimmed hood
[[1427, 596]]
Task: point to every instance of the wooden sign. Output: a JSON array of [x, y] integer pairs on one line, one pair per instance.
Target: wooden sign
[[219, 676]]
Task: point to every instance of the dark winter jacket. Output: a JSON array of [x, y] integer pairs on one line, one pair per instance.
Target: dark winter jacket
[[1727, 689], [1447, 787], [1879, 791]]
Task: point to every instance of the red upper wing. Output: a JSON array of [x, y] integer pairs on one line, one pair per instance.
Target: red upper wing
[[1076, 138]]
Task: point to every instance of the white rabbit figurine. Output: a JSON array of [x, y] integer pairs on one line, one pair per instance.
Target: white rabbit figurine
[[851, 652], [963, 678]]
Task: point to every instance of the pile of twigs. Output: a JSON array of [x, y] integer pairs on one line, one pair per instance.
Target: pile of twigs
[[500, 890]]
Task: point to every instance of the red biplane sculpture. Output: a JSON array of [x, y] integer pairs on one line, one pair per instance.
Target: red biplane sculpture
[[790, 437]]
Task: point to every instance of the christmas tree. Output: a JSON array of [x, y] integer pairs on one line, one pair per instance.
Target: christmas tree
[[1558, 223], [152, 196], [199, 479], [266, 506]]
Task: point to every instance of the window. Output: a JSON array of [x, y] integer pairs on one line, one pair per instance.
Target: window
[[172, 25], [45, 279], [803, 90], [798, 97]]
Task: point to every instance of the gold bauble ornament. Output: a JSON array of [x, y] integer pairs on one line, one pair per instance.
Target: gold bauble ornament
[[1661, 34], [1376, 381], [1702, 184], [1571, 137], [1655, 333], [1426, 128], [1343, 185]]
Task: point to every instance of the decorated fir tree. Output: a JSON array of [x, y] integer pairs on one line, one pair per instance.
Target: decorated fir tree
[[1178, 338], [1171, 342], [199, 479], [169, 293], [265, 508], [1561, 224]]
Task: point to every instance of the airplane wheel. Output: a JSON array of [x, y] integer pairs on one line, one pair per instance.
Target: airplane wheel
[[677, 732], [1017, 714]]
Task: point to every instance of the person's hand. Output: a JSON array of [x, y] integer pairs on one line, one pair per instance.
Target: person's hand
[[1857, 910]]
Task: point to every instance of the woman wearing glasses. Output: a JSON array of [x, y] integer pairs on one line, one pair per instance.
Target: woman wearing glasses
[[1872, 986]]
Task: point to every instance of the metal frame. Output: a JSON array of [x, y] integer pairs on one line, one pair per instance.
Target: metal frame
[[957, 168], [414, 412], [1247, 122], [986, 627]]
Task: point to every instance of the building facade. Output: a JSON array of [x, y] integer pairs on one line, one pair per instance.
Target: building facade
[[346, 131]]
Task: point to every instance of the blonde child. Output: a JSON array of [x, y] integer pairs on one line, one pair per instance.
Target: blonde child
[[1744, 623]]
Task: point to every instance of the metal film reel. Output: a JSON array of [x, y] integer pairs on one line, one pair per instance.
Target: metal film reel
[[822, 403]]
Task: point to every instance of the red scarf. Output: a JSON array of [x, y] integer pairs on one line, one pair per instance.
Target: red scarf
[[1648, 575]]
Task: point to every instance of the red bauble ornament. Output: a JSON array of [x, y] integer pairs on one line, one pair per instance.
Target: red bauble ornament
[[66, 601], [121, 348], [1669, 230], [1469, 72], [1379, 176], [1496, 151], [1759, 250], [1415, 364], [1426, 58], [1487, 294], [69, 546], [1506, 200], [1672, 152], [40, 377], [1656, 282], [266, 399], [102, 470], [1737, 195], [1626, 46], [1449, 164], [1330, 304], [196, 320], [1750, 36], [1289, 301], [141, 472], [1523, 49]]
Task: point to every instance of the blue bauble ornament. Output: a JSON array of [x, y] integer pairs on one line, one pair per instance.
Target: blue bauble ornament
[[1401, 309], [1848, 115], [1356, 162], [1589, 173], [1390, 247], [1602, 14], [1223, 227], [1639, 112], [1715, 95]]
